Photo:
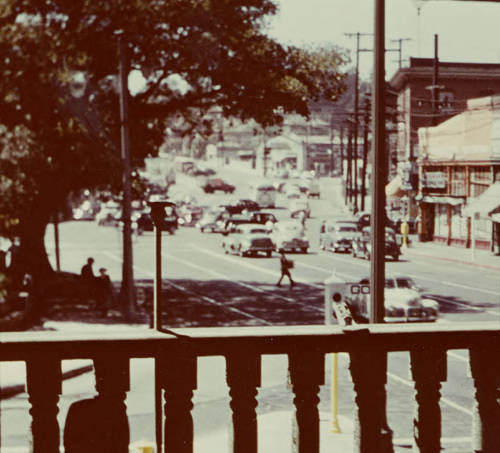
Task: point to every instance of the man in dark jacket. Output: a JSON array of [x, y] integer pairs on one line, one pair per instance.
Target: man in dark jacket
[[104, 291], [88, 280], [286, 265]]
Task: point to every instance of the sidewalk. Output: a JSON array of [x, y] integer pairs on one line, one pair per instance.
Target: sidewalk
[[479, 258]]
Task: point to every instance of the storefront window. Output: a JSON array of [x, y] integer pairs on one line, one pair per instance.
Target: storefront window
[[458, 223], [441, 220]]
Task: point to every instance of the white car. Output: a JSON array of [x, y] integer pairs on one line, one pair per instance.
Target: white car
[[403, 301], [289, 236]]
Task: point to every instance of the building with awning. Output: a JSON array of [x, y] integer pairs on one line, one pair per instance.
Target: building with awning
[[486, 204], [460, 176]]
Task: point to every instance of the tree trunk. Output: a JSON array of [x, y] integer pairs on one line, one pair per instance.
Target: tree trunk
[[33, 256]]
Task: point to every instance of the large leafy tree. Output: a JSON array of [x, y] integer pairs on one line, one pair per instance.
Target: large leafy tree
[[59, 123]]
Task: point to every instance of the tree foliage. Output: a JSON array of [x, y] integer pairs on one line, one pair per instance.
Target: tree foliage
[[60, 129]]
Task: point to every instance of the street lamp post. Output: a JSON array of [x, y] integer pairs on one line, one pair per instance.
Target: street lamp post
[[158, 217], [128, 292]]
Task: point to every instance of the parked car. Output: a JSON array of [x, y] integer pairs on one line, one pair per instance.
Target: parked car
[[233, 243], [242, 205], [298, 206], [109, 215], [216, 184], [403, 301], [361, 246], [313, 189], [84, 212], [213, 221], [262, 217], [338, 236], [364, 220], [231, 224], [289, 236], [189, 214]]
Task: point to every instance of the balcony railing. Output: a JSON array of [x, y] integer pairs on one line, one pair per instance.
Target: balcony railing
[[175, 354]]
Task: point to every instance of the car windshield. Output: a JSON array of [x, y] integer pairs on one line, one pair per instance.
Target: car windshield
[[348, 229], [405, 282]]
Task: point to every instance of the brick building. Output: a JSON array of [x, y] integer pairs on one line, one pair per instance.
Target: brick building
[[458, 82], [459, 190]]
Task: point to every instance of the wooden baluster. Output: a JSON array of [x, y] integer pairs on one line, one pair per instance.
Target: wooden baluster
[[428, 369], [243, 373], [44, 378], [178, 380], [368, 370], [485, 371], [307, 373]]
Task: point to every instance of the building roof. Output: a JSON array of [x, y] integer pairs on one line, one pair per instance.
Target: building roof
[[424, 67]]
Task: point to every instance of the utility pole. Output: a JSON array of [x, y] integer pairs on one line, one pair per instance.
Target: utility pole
[[400, 49], [127, 288], [356, 102], [349, 166], [435, 86], [365, 152]]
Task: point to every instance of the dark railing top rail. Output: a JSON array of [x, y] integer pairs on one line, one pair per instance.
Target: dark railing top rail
[[264, 340]]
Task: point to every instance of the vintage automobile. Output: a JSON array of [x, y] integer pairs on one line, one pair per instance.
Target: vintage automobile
[[262, 217], [338, 236], [109, 215], [403, 301], [362, 248], [85, 211], [216, 184], [289, 236], [241, 205], [213, 221], [189, 214], [298, 206], [233, 222], [237, 242]]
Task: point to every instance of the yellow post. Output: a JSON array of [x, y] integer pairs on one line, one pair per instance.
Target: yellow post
[[405, 229], [335, 395]]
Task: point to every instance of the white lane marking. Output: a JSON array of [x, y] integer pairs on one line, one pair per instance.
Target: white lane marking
[[253, 288], [458, 356], [458, 285], [252, 266], [181, 288], [462, 304], [444, 400]]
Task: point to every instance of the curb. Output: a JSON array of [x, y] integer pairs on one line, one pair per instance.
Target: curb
[[10, 391], [454, 260]]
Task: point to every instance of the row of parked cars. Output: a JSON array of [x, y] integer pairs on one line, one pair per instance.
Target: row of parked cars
[[351, 236]]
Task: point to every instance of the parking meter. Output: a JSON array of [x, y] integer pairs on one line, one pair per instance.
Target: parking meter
[[336, 301]]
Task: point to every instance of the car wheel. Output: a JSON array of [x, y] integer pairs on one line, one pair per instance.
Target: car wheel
[[304, 249], [268, 254], [202, 229], [395, 257]]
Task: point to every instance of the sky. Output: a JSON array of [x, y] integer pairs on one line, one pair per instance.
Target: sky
[[468, 31]]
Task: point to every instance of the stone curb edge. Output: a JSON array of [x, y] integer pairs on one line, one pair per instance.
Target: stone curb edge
[[454, 260], [12, 390]]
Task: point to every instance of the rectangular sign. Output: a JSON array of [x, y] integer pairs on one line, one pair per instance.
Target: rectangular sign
[[434, 180]]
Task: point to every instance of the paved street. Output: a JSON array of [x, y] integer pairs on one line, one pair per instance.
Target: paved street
[[205, 287]]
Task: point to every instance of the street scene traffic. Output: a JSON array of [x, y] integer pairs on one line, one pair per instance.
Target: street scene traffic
[[223, 229]]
